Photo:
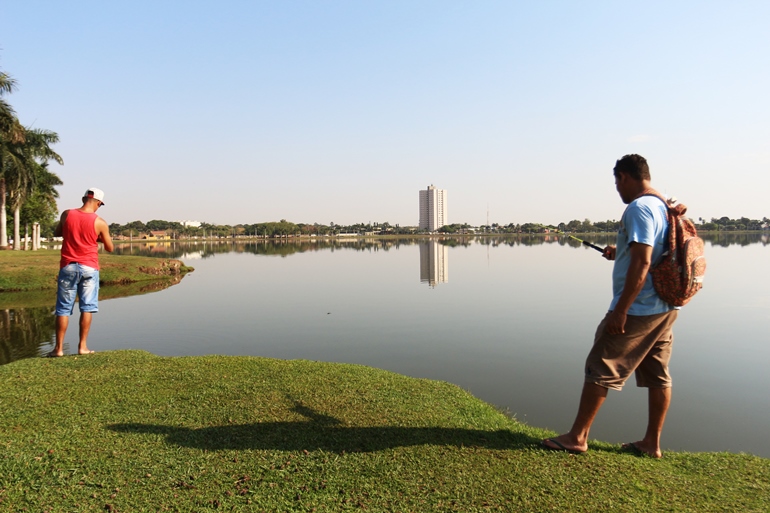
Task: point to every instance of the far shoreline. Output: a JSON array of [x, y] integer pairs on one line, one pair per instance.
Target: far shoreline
[[434, 235]]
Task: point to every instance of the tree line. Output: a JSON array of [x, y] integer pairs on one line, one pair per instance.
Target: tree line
[[574, 226], [609, 226], [284, 228], [742, 224], [27, 186]]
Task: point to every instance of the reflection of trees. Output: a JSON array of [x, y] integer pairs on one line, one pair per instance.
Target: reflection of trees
[[286, 247], [538, 239], [725, 239], [455, 242], [136, 289], [23, 331], [278, 247], [606, 239]]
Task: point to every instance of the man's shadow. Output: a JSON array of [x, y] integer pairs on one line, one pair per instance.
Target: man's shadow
[[322, 432]]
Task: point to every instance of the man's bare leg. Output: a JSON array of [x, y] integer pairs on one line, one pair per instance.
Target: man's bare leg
[[659, 400], [62, 321], [85, 327], [591, 401]]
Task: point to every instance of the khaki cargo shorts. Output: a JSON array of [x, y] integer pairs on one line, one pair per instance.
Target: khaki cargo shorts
[[645, 349]]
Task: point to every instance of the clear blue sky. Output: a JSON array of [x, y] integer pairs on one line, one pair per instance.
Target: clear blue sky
[[319, 111]]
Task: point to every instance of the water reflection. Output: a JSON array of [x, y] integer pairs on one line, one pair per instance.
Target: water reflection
[[23, 331], [196, 250], [23, 338], [28, 319], [27, 328], [434, 263], [725, 239]]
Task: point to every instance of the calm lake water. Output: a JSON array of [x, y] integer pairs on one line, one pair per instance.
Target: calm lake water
[[510, 320]]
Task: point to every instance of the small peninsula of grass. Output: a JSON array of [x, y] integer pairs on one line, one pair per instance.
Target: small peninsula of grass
[[37, 270], [129, 431]]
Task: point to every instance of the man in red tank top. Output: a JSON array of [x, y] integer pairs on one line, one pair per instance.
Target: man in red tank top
[[81, 230]]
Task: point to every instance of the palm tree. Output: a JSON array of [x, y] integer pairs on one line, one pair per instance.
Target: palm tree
[[22, 150], [40, 206], [11, 132], [7, 115], [24, 161]]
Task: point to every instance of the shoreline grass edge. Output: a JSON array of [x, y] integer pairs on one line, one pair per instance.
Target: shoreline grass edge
[[25, 271], [131, 431]]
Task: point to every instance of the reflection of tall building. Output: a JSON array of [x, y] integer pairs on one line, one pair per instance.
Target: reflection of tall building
[[434, 263], [433, 209]]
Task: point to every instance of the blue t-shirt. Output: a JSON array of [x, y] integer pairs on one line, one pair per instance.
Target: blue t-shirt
[[645, 221]]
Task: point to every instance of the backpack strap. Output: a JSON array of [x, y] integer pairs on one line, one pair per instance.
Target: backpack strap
[[674, 208]]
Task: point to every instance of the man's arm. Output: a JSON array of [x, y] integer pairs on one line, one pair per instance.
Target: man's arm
[[103, 234], [57, 232], [641, 259]]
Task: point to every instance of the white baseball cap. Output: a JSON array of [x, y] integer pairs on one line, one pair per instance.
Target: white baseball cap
[[95, 193]]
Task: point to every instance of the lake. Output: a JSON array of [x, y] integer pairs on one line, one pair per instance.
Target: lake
[[508, 319]]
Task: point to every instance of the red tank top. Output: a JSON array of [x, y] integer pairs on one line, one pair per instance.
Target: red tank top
[[79, 235]]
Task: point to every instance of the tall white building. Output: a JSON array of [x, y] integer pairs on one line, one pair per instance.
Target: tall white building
[[433, 209]]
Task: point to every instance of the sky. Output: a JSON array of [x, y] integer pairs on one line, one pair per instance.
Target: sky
[[234, 112]]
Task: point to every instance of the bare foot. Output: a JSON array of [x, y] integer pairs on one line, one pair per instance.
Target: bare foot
[[564, 443], [641, 449], [53, 354], [86, 351]]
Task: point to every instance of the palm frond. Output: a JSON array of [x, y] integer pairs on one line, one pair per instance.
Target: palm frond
[[7, 83], [38, 143]]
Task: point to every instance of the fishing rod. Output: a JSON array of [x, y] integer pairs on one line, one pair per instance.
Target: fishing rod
[[594, 246]]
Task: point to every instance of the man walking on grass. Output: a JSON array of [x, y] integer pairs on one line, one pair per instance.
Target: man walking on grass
[[635, 335], [81, 230]]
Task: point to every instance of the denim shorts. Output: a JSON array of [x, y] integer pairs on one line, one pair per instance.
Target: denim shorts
[[79, 281]]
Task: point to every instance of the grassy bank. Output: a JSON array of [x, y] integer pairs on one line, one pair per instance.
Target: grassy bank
[[37, 270], [129, 431]]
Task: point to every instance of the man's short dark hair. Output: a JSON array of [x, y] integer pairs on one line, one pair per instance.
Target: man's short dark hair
[[634, 166]]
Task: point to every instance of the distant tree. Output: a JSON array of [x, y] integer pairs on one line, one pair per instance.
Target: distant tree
[[308, 229], [135, 228], [532, 228], [607, 226], [40, 206], [587, 226], [157, 225], [573, 226]]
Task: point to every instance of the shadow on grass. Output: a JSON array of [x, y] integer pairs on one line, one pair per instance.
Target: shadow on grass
[[322, 432]]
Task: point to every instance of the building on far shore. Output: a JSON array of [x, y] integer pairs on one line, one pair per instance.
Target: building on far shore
[[156, 235], [191, 224], [433, 209]]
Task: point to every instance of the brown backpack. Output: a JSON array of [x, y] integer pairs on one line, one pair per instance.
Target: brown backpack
[[678, 276]]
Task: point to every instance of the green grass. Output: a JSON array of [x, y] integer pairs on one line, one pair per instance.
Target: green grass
[[129, 431], [37, 270]]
